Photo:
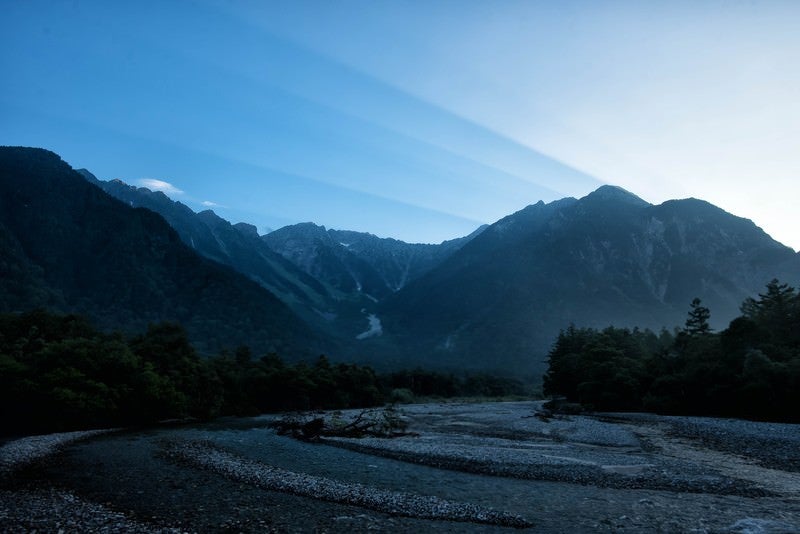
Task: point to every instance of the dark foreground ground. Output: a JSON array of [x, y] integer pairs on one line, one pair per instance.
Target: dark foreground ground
[[467, 468]]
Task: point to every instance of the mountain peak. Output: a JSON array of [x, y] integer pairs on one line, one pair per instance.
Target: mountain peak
[[308, 230], [615, 193], [247, 229]]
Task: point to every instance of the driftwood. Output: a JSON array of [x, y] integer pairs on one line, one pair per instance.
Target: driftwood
[[383, 423]]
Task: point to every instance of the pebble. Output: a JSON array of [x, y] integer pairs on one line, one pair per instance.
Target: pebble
[[479, 446], [206, 456], [24, 451], [54, 510]]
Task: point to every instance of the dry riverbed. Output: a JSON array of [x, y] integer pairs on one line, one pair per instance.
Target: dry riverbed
[[466, 468]]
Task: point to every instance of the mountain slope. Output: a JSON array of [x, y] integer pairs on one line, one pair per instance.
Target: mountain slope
[[331, 278], [74, 248], [396, 262], [238, 246], [312, 248], [608, 258], [358, 262]]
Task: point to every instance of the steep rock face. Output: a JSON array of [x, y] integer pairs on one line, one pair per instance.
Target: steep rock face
[[74, 248], [357, 261], [608, 258], [247, 229], [311, 248], [397, 262]]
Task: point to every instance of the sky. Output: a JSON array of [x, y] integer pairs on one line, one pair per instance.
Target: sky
[[417, 120]]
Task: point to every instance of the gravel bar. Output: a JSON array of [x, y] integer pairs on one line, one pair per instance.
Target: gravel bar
[[507, 440], [22, 452], [774, 445], [206, 456], [54, 510], [484, 461]]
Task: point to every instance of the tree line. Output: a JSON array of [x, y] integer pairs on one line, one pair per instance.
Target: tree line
[[58, 372], [751, 369]]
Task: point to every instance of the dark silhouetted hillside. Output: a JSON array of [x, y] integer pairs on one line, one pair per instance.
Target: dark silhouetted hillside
[[609, 258], [69, 246]]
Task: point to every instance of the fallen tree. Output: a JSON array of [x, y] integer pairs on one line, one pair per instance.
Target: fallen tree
[[386, 422]]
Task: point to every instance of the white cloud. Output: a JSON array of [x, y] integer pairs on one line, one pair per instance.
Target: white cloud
[[159, 185], [211, 204]]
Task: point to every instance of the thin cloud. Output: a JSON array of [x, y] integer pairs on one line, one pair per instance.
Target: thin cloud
[[211, 204], [159, 185]]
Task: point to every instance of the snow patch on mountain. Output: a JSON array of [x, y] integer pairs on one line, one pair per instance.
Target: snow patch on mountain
[[375, 328]]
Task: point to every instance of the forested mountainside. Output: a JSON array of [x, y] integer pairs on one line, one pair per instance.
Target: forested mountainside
[[331, 278], [609, 258], [68, 246], [494, 300]]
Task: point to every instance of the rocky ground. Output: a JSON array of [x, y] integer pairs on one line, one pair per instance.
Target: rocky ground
[[464, 468]]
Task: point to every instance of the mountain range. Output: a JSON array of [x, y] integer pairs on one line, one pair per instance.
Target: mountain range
[[70, 247], [237, 246], [332, 279], [493, 300], [609, 258]]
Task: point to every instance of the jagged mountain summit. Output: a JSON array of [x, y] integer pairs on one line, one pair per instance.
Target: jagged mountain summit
[[609, 258], [70, 247], [357, 261], [331, 278]]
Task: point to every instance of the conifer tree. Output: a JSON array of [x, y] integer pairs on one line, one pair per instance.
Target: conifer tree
[[697, 322]]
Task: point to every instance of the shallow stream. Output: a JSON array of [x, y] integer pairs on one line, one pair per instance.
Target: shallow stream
[[129, 472]]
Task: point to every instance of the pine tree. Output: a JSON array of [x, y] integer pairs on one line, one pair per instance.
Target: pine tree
[[697, 322], [777, 312], [773, 306]]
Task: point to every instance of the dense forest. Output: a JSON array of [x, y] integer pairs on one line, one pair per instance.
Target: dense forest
[[58, 372], [751, 369]]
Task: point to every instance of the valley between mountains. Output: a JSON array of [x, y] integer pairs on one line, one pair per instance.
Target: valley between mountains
[[494, 300], [122, 307]]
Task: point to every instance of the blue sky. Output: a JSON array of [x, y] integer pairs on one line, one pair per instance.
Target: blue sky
[[417, 120]]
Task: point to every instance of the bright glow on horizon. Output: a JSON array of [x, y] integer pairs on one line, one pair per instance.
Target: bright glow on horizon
[[415, 120], [667, 100]]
